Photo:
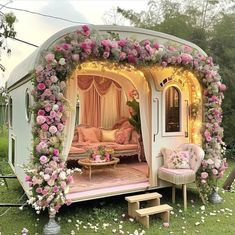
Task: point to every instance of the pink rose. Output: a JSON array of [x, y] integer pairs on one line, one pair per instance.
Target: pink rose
[[41, 86], [27, 178], [122, 56], [106, 42], [210, 161], [86, 30], [56, 152], [50, 57], [214, 171], [52, 114], [40, 119], [164, 63], [186, 58], [55, 189], [75, 57], [46, 177], [222, 87], [106, 55], [60, 126], [43, 159], [63, 184], [156, 45], [45, 127], [39, 190], [52, 130], [45, 191], [51, 182], [53, 79], [204, 175], [41, 112], [70, 179], [122, 42], [39, 68], [203, 181]]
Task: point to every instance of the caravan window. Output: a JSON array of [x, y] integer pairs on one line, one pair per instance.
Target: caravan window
[[172, 107]]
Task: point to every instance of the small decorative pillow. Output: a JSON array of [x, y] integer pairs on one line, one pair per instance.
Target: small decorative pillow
[[123, 136], [90, 134], [176, 159], [108, 135]]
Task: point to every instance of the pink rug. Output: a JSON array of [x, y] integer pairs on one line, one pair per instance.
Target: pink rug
[[124, 174]]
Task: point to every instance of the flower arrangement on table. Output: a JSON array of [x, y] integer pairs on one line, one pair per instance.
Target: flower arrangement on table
[[101, 154]]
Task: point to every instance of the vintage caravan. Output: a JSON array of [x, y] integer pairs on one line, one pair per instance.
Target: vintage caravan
[[103, 64]]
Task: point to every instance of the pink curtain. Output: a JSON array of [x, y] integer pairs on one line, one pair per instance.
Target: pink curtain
[[95, 95]]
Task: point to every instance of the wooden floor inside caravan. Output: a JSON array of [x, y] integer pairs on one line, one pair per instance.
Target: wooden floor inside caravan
[[128, 175]]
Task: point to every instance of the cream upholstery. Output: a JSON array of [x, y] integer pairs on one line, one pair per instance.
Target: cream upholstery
[[183, 176], [176, 176]]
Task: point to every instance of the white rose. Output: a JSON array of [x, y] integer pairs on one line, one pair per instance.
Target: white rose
[[62, 61], [62, 175]]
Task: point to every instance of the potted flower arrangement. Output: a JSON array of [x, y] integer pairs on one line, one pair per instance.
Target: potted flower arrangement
[[101, 154]]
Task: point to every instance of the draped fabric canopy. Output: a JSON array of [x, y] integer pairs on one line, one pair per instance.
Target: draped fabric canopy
[[102, 101]]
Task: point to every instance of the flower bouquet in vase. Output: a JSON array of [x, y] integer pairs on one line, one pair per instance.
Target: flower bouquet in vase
[[101, 154]]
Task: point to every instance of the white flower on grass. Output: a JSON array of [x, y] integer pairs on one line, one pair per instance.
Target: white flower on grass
[[123, 215], [218, 220], [85, 227], [131, 219], [115, 219], [120, 226], [172, 212], [197, 223], [114, 230], [121, 232], [180, 211], [211, 213], [72, 232], [69, 220], [202, 207], [21, 208]]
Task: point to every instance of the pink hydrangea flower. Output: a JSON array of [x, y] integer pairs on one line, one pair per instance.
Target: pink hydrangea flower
[[214, 171], [86, 30], [60, 126], [222, 87], [27, 178], [106, 55]]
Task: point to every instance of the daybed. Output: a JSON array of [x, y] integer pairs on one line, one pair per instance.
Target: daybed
[[122, 138]]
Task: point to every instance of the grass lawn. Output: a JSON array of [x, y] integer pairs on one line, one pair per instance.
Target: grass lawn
[[109, 216]]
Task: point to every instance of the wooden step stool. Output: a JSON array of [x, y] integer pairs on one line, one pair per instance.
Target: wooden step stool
[[143, 214], [153, 199]]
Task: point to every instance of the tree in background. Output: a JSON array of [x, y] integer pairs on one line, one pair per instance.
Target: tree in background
[[6, 31], [208, 23]]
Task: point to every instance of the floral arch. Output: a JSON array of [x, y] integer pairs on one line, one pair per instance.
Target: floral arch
[[47, 174]]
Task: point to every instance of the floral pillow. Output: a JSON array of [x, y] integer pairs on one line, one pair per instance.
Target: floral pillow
[[123, 136], [176, 159]]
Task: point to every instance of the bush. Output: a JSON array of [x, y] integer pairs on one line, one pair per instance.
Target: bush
[[4, 144]]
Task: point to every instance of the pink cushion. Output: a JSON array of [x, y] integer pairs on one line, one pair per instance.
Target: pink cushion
[[177, 159], [91, 134], [123, 135]]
